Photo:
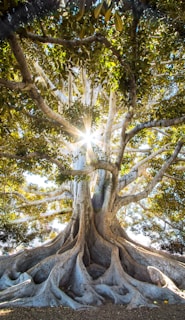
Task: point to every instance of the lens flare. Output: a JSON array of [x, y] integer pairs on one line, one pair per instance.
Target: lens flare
[[88, 137]]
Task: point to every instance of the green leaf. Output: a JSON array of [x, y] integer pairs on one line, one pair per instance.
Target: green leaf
[[97, 10], [118, 22], [108, 14]]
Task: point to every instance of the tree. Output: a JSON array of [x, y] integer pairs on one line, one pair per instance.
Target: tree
[[95, 101], [162, 218]]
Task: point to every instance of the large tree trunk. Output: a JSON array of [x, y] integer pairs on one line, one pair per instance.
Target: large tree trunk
[[90, 261]]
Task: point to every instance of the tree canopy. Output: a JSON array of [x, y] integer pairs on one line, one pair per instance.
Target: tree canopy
[[92, 99]]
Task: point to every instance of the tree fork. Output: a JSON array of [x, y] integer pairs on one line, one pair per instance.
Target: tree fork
[[90, 261]]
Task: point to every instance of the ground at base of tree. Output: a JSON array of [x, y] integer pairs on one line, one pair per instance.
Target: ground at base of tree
[[107, 311]]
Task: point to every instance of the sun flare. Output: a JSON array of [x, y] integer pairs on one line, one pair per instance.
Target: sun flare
[[88, 137]]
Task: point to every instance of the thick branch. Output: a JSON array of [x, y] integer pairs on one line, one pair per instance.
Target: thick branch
[[19, 55], [108, 166], [155, 123], [12, 85], [120, 201], [59, 41], [34, 93]]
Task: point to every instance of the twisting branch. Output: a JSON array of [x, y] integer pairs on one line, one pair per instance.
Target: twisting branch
[[98, 37], [34, 93], [66, 172], [120, 201], [105, 165]]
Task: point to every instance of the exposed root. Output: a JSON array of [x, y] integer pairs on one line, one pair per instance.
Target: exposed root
[[25, 288], [86, 270], [172, 267], [162, 280]]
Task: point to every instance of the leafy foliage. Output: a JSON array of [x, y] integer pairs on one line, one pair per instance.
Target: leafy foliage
[[135, 49]]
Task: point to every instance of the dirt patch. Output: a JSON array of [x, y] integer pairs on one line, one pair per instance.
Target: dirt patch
[[105, 312]]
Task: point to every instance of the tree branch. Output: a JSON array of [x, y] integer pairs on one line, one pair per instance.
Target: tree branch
[[120, 201], [42, 201], [17, 194], [12, 85], [57, 93], [125, 124], [43, 215], [62, 193], [173, 225], [64, 188], [105, 165], [154, 123], [65, 43], [109, 123], [108, 166], [34, 93], [135, 172], [31, 155], [173, 177]]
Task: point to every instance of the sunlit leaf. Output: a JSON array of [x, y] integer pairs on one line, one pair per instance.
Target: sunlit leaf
[[118, 22], [108, 14], [97, 10]]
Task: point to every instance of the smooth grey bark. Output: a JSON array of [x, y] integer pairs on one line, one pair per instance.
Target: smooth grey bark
[[90, 261]]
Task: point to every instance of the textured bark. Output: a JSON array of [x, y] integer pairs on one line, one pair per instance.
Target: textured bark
[[90, 261]]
